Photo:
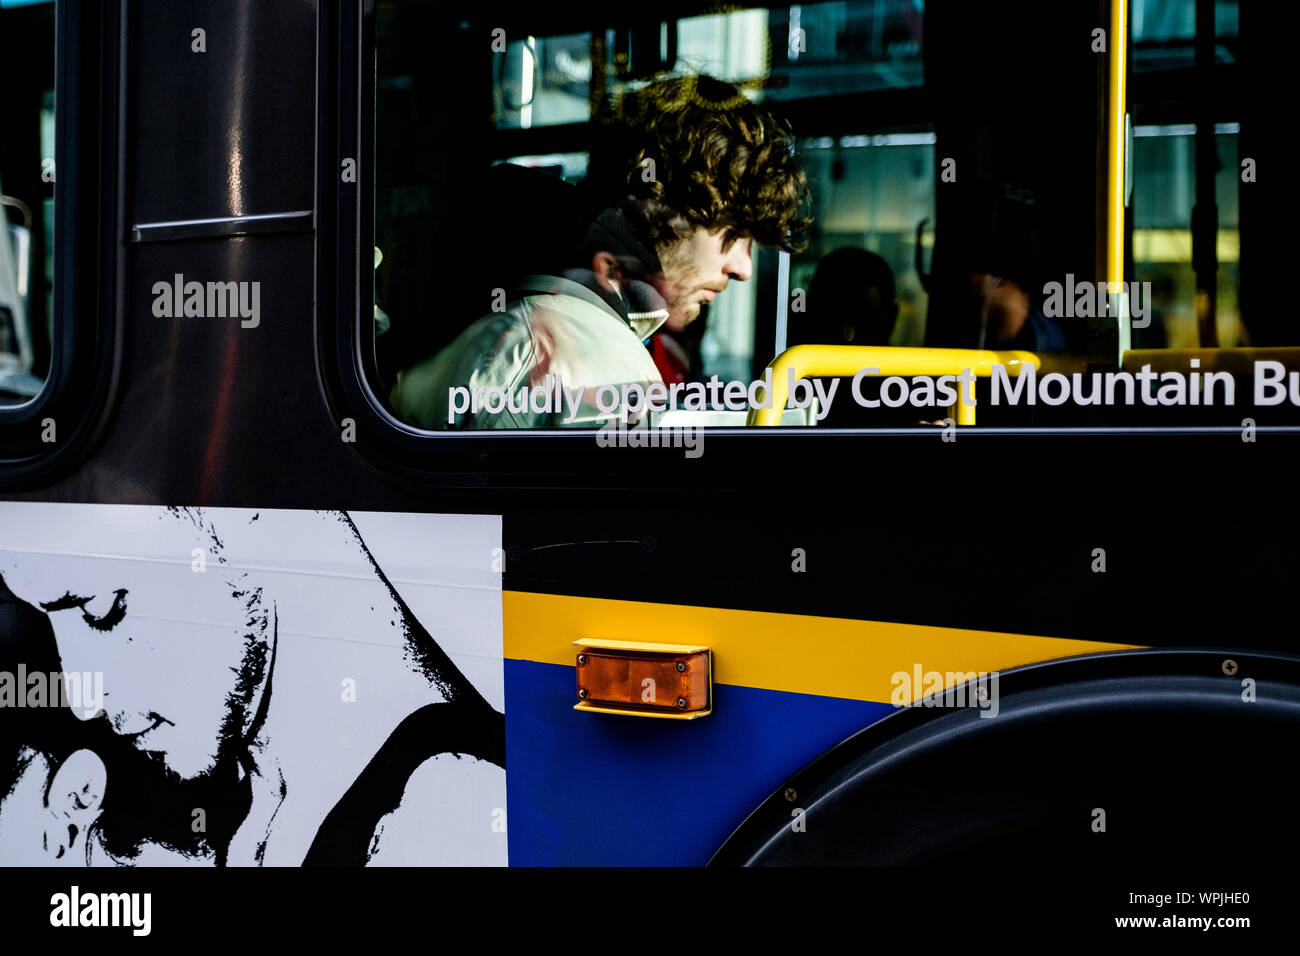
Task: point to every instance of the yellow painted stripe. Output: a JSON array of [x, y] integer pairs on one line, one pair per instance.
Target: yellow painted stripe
[[827, 656]]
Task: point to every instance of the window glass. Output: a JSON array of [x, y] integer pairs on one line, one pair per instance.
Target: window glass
[[1164, 193], [543, 81], [26, 197], [497, 224], [570, 167], [1164, 33], [792, 52], [820, 49], [852, 213], [676, 204]]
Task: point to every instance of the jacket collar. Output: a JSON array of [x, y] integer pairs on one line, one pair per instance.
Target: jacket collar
[[640, 307]]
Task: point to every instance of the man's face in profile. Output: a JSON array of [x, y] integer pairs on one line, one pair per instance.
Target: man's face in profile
[[697, 268], [182, 651]]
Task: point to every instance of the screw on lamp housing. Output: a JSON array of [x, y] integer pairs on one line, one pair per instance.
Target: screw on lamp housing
[[644, 679]]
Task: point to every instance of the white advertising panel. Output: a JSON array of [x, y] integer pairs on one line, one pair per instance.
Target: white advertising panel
[[249, 687]]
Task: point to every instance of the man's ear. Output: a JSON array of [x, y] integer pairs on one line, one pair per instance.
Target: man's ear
[[73, 801], [608, 274]]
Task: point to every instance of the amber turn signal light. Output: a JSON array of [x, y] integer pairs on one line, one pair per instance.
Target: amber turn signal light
[[644, 680]]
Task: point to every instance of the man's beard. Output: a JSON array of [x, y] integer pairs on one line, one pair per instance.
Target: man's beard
[[680, 316], [146, 801]]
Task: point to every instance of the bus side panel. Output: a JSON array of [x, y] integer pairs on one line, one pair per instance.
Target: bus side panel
[[596, 789]]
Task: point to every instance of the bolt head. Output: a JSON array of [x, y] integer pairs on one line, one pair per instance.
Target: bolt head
[[582, 658], [681, 702], [681, 667], [582, 693]]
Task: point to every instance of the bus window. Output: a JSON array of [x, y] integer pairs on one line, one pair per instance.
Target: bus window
[[549, 95], [852, 212], [970, 194], [26, 197], [1164, 32], [1209, 294], [857, 282], [1164, 193], [542, 81]]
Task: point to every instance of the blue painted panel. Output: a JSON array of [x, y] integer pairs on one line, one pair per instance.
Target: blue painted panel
[[596, 790]]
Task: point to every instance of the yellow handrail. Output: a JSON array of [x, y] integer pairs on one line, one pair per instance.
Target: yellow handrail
[[1116, 130], [840, 360]]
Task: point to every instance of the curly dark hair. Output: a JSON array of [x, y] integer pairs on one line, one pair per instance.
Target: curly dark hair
[[719, 161]]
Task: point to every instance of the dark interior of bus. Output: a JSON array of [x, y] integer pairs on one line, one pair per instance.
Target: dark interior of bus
[[26, 198]]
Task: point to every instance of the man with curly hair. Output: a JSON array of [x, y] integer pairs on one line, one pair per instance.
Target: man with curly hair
[[686, 174]]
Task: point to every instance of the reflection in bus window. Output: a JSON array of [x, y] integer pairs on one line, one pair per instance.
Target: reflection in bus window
[[26, 197]]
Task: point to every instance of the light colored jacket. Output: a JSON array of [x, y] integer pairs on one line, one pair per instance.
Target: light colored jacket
[[556, 327]]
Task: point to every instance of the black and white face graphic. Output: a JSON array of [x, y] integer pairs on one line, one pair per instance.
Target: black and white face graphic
[[270, 694], [118, 617]]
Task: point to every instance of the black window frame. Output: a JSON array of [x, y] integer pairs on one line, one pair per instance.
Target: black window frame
[[419, 459], [86, 335]]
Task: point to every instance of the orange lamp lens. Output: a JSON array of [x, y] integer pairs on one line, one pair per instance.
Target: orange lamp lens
[[639, 680]]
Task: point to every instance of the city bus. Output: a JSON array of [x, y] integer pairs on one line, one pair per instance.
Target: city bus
[[254, 612]]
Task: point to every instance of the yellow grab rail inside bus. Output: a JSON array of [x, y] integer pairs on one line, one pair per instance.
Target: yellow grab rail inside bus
[[1117, 161], [832, 361], [1239, 361]]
